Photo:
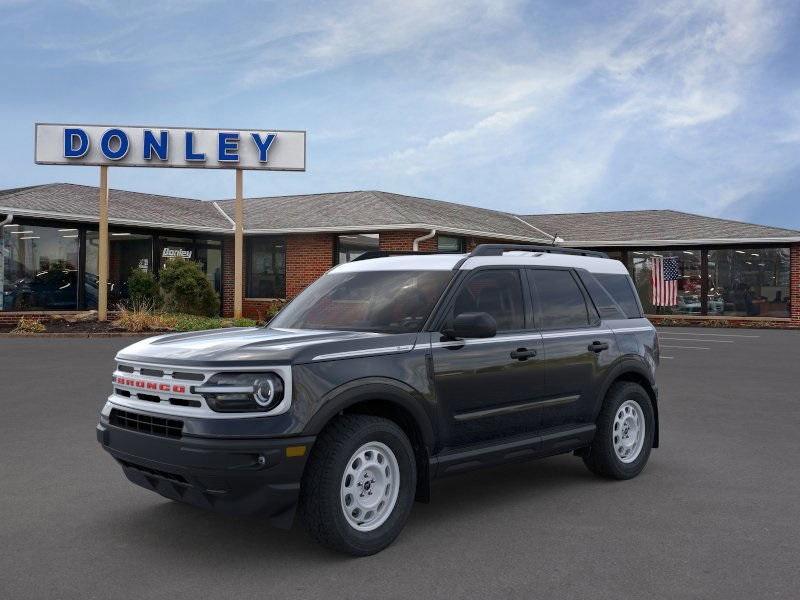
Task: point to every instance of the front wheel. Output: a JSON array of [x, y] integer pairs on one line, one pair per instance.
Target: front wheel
[[624, 436], [359, 485]]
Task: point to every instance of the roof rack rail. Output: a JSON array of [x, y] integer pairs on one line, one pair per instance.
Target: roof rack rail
[[385, 253], [499, 249]]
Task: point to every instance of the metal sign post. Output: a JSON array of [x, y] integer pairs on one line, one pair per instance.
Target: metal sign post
[[103, 253], [176, 147], [238, 244]]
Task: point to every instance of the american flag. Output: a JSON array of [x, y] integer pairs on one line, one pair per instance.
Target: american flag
[[665, 280]]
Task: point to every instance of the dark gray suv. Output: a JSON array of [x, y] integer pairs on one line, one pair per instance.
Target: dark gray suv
[[385, 374]]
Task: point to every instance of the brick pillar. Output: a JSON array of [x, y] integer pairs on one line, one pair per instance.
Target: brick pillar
[[226, 309], [308, 256], [794, 283]]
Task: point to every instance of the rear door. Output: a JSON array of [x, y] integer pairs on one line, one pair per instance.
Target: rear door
[[577, 348], [487, 387]]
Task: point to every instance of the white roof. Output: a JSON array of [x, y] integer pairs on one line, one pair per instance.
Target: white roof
[[446, 262]]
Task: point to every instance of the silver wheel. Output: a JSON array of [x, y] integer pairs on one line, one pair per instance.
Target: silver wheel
[[629, 431], [369, 487]]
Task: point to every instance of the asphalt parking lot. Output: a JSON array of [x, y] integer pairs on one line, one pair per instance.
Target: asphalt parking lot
[[716, 514]]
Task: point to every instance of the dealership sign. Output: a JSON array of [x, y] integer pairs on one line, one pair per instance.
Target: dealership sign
[[193, 148]]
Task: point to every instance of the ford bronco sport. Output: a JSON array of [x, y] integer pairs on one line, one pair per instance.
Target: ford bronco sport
[[385, 374]]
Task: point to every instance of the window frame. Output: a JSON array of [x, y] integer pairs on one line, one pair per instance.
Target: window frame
[[592, 316]]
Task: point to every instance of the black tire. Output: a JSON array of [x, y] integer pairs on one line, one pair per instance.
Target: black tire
[[320, 505], [601, 458]]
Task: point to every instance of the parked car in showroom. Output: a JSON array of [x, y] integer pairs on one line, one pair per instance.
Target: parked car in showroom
[[385, 374]]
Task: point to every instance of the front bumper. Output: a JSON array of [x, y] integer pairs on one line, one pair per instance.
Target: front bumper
[[233, 476]]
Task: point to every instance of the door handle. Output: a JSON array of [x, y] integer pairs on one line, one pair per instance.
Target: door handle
[[523, 353], [598, 346]]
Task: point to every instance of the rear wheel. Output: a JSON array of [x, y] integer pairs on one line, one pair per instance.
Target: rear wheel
[[359, 485], [624, 437]]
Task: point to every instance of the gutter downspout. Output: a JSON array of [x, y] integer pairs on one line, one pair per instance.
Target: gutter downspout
[[7, 220], [427, 236]]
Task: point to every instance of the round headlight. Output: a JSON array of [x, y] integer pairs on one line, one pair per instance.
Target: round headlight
[[264, 392]]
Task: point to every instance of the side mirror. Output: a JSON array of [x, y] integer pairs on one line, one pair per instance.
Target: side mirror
[[473, 325]]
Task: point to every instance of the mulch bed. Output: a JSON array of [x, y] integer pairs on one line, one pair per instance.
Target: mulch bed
[[87, 327]]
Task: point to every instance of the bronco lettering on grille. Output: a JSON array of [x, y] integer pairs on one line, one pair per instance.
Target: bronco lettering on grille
[[150, 385]]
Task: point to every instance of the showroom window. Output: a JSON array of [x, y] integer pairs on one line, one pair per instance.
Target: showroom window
[[668, 281], [128, 252], [209, 255], [349, 247], [266, 267], [39, 267], [450, 244], [748, 282]]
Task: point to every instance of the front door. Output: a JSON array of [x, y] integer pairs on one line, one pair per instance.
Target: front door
[[487, 387]]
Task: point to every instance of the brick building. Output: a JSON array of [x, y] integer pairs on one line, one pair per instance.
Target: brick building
[[742, 273]]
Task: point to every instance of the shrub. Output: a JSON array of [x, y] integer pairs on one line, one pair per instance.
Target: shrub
[[141, 317], [26, 325], [186, 290], [143, 289]]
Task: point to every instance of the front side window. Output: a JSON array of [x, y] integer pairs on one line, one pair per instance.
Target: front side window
[[376, 301], [561, 301], [39, 268], [496, 292], [748, 282], [266, 267]]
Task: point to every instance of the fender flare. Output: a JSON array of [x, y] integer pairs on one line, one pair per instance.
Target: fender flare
[[375, 388], [639, 367]]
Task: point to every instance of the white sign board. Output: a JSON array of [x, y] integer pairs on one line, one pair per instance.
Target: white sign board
[[189, 148]]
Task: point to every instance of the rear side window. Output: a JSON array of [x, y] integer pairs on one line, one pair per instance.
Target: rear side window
[[561, 301], [606, 306], [497, 292], [620, 289]]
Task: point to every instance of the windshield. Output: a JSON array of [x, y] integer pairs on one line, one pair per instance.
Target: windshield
[[379, 301]]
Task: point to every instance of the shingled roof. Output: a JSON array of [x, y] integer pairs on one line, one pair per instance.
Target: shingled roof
[[637, 227], [79, 203], [374, 210], [363, 211]]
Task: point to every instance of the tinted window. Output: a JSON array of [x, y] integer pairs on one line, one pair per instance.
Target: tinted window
[[447, 243], [379, 301], [498, 293], [606, 306], [619, 287], [561, 301], [352, 246], [266, 267]]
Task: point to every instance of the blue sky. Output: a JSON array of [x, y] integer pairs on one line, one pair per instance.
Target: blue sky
[[530, 107]]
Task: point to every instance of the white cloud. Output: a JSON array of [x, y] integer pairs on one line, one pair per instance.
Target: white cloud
[[476, 143]]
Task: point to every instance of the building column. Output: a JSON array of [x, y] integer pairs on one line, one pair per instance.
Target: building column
[[794, 283]]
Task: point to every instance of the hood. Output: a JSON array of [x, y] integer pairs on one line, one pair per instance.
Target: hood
[[247, 346]]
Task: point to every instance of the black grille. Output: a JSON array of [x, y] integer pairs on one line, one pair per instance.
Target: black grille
[[147, 470], [187, 376], [169, 428], [151, 372]]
